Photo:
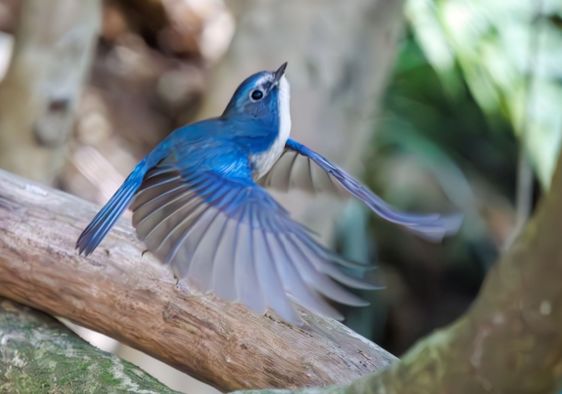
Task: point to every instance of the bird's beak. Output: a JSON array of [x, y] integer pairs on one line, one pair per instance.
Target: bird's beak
[[279, 72]]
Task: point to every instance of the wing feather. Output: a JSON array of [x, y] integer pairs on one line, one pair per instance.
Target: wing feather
[[296, 286], [299, 167], [227, 235]]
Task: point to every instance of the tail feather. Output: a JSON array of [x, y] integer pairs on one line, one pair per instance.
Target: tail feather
[[110, 213]]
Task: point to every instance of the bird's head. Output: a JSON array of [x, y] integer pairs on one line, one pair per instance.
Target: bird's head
[[263, 95]]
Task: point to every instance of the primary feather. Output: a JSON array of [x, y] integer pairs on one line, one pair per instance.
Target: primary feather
[[301, 168]]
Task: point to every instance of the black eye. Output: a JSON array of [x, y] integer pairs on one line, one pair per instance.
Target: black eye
[[256, 95]]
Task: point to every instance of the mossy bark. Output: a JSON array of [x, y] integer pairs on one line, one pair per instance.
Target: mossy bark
[[39, 355]]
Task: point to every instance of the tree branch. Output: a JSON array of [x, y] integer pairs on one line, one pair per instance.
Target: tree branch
[[131, 297], [39, 354]]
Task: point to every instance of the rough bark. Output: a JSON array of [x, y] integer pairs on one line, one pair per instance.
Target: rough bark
[[340, 54], [39, 355], [509, 342], [132, 298], [53, 50]]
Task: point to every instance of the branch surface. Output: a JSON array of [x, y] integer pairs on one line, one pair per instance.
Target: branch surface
[[131, 297]]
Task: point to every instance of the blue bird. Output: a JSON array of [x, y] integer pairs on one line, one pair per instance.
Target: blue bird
[[200, 205]]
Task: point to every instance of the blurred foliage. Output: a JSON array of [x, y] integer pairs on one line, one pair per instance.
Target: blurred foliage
[[433, 151], [508, 54], [470, 79]]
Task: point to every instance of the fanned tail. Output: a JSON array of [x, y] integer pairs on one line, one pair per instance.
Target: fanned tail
[[110, 213]]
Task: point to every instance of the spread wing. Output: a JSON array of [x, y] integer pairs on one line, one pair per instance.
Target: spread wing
[[300, 167], [214, 226]]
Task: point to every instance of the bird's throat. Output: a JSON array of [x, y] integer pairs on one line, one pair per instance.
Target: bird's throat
[[263, 162]]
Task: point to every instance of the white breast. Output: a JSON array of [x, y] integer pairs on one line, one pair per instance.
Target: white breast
[[264, 161]]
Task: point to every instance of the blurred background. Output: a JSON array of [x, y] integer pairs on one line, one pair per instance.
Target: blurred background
[[438, 105]]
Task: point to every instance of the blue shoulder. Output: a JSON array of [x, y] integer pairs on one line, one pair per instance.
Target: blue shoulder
[[185, 138], [298, 147], [197, 148], [194, 132]]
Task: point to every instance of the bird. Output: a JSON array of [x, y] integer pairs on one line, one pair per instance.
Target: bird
[[201, 205]]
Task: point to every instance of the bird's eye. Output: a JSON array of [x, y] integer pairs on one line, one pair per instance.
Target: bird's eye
[[256, 95]]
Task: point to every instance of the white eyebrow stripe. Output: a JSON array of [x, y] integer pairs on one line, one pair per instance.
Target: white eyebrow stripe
[[263, 79]]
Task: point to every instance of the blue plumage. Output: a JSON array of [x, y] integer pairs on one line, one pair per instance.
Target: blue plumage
[[199, 205], [106, 218]]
